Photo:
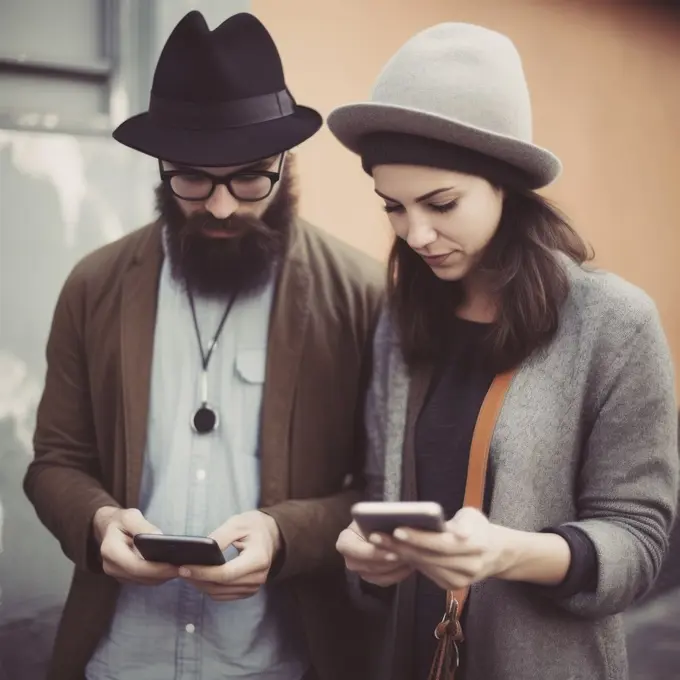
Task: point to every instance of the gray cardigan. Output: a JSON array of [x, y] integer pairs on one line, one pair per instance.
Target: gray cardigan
[[587, 436]]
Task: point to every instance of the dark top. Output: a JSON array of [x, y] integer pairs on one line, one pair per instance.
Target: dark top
[[443, 437]]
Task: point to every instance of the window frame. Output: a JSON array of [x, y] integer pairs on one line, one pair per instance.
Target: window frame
[[126, 37]]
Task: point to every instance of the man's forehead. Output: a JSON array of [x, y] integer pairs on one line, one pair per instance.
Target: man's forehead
[[263, 164]]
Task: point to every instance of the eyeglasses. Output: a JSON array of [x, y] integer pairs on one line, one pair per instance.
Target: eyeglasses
[[249, 186]]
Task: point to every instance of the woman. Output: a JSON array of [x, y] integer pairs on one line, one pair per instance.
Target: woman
[[486, 278]]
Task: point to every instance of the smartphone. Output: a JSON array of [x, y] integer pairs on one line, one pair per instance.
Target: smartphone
[[384, 518], [179, 550]]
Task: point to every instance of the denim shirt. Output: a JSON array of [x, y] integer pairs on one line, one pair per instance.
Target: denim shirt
[[191, 484]]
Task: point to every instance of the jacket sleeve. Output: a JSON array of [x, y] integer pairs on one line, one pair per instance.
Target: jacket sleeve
[[63, 480], [629, 479], [309, 530]]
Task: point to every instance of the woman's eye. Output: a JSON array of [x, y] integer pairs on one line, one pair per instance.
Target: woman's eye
[[444, 207], [393, 208]]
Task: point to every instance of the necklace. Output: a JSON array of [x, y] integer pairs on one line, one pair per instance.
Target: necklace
[[205, 418]]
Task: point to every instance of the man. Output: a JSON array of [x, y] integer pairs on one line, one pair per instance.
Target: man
[[205, 377]]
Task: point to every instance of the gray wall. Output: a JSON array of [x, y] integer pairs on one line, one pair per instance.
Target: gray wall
[[62, 194]]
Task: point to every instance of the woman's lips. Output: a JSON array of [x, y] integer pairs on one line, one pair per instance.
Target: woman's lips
[[437, 260]]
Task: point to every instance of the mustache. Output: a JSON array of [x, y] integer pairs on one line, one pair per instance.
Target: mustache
[[240, 224]]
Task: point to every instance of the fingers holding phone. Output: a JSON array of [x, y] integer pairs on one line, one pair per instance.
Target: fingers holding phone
[[240, 578], [115, 529], [371, 563], [256, 537], [366, 544], [468, 550]]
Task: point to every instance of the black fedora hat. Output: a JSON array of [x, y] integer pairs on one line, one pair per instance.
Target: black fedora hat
[[219, 98]]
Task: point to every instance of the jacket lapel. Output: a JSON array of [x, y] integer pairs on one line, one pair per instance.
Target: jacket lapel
[[421, 378], [138, 320], [290, 316]]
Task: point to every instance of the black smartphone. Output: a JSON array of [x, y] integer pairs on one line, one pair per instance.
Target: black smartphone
[[179, 550], [384, 518]]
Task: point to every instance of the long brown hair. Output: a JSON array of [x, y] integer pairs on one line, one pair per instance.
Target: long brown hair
[[523, 266]]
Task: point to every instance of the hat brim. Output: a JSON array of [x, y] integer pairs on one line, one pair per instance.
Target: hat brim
[[349, 123], [228, 146]]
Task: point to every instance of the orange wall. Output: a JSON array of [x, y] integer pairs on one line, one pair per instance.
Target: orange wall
[[604, 84]]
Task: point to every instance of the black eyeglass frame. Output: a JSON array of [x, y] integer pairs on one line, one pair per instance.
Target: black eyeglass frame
[[272, 176]]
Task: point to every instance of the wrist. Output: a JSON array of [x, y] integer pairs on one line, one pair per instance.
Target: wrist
[[532, 557], [511, 551], [101, 520], [274, 533]]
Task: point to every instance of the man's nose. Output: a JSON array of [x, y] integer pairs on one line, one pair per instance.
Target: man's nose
[[221, 204]]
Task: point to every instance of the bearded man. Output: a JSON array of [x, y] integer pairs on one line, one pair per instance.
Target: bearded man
[[205, 378]]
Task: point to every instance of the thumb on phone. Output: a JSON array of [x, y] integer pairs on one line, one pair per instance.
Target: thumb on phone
[[134, 522], [466, 522], [228, 533]]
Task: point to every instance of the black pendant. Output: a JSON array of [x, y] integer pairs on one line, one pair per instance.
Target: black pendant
[[204, 420]]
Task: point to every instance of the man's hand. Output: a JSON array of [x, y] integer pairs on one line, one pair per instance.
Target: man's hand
[[380, 567], [256, 536], [114, 528]]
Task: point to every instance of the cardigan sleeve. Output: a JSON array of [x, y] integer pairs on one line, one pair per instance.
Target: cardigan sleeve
[[582, 573], [628, 485]]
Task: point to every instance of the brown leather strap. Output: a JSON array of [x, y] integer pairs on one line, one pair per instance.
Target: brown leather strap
[[481, 440], [479, 453], [449, 631]]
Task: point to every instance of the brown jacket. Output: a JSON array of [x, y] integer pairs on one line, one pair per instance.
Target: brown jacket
[[91, 427]]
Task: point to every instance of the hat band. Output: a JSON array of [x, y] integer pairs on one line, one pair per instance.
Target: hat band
[[220, 115], [385, 148]]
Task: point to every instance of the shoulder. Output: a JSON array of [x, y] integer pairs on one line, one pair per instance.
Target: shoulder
[[113, 256], [339, 260], [606, 302], [615, 328], [102, 266], [342, 275]]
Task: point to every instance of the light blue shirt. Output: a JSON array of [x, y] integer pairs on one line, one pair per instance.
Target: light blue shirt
[[191, 484]]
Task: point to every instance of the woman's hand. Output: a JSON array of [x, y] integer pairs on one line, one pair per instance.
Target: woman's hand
[[470, 550], [373, 564], [473, 549]]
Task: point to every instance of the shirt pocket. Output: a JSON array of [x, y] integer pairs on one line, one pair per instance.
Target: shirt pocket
[[250, 369]]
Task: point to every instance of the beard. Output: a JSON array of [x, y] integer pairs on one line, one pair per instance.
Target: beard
[[222, 267]]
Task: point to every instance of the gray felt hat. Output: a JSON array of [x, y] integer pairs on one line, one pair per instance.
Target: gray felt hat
[[457, 83]]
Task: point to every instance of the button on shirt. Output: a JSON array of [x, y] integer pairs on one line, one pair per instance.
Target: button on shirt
[[191, 484]]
